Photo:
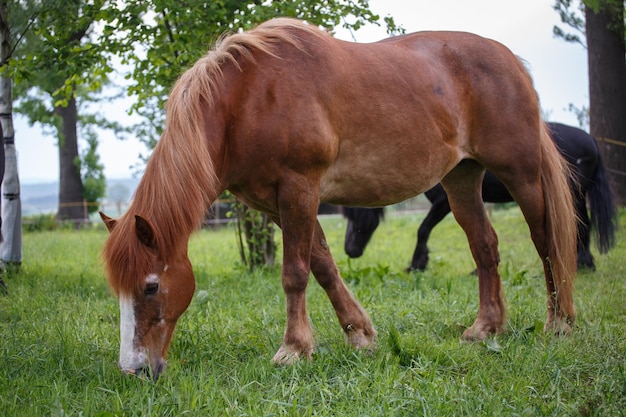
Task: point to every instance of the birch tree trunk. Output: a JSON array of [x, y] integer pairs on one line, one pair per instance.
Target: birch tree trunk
[[11, 214]]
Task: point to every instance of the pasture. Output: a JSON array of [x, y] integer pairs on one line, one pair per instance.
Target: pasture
[[59, 335]]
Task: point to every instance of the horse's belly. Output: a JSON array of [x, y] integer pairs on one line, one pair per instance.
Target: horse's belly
[[365, 183]]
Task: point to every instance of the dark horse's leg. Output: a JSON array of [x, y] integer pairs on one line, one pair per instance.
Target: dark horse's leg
[[439, 209], [463, 186]]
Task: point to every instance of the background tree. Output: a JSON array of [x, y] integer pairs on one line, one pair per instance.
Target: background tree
[[58, 66], [601, 22], [607, 86]]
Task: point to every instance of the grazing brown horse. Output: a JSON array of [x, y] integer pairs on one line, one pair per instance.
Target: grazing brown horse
[[285, 116]]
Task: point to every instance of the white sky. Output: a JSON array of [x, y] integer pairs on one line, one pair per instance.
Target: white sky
[[559, 70]]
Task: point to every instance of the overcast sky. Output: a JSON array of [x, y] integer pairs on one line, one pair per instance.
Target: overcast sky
[[559, 70]]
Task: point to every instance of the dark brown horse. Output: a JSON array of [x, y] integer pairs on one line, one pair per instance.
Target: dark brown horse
[[285, 116]]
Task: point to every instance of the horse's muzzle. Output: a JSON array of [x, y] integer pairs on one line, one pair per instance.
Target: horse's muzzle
[[150, 372], [353, 251]]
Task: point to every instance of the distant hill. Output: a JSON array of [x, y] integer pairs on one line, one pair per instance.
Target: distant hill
[[38, 198], [38, 190]]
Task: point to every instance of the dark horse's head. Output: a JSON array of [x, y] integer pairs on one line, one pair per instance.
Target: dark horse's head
[[361, 225]]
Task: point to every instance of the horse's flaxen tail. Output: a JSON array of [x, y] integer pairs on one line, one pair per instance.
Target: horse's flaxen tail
[[561, 231], [602, 206]]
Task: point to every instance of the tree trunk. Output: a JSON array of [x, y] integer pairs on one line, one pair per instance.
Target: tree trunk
[[11, 246], [607, 89], [70, 183]]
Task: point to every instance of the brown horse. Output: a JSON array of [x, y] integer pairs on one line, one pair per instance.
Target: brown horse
[[285, 116]]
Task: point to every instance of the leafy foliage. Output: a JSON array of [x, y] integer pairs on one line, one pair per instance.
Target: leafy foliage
[[55, 48], [572, 13], [92, 174], [574, 17], [159, 39]]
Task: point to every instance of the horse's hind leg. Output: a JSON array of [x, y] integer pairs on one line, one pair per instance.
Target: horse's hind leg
[[354, 321], [463, 185], [533, 204]]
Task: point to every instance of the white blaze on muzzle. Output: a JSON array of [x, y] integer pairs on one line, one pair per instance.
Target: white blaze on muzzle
[[132, 358]]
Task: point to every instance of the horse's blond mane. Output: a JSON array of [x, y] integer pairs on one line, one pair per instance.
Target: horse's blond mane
[[180, 181], [206, 73]]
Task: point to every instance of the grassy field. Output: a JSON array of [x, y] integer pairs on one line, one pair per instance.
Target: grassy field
[[59, 336]]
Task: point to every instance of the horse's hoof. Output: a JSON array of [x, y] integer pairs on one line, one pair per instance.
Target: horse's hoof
[[288, 356], [472, 335], [478, 332], [559, 326], [360, 340]]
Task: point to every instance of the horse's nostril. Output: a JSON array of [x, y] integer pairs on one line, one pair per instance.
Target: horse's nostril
[[158, 370]]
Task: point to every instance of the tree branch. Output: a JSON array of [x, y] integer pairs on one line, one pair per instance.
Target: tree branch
[[170, 32]]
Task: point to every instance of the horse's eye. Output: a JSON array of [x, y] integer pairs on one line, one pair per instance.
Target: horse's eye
[[151, 288]]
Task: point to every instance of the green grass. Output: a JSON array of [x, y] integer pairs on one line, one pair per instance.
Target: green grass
[[59, 335]]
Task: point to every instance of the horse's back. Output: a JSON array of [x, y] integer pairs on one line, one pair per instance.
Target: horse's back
[[384, 121], [443, 96]]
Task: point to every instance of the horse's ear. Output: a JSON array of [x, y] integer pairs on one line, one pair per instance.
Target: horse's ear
[[145, 232], [108, 221]]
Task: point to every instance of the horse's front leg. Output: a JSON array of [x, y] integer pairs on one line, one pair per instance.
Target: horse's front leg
[[355, 322], [297, 220], [298, 338]]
